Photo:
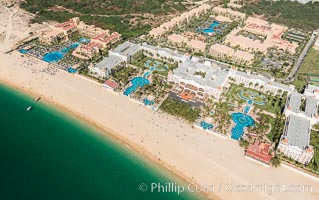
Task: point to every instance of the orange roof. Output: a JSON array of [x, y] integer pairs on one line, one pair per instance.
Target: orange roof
[[91, 46], [259, 151], [105, 38], [186, 95], [66, 25], [110, 83]]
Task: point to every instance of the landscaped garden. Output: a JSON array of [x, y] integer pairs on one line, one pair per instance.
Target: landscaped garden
[[154, 66], [272, 104]]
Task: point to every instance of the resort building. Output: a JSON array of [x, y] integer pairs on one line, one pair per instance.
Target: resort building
[[106, 40], [294, 143], [163, 53], [97, 44], [104, 68], [178, 20], [118, 57], [87, 51], [90, 31], [266, 35], [229, 13], [259, 151], [220, 18], [312, 91], [176, 39], [224, 52], [195, 81], [305, 107], [157, 32], [260, 83], [196, 45], [126, 51], [60, 32]]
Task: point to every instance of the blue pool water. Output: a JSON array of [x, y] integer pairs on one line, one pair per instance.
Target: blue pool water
[[251, 97], [71, 70], [23, 51], [52, 57], [146, 74], [154, 65], [55, 56], [206, 125], [136, 82], [84, 40], [242, 120], [246, 109], [211, 28], [148, 102]]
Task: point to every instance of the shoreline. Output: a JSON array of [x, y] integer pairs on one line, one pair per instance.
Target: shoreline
[[191, 154], [108, 134]]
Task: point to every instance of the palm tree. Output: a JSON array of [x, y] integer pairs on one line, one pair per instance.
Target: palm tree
[[275, 162]]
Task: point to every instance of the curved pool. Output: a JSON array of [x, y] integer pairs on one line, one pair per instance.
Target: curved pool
[[52, 56], [136, 83], [242, 120], [55, 56]]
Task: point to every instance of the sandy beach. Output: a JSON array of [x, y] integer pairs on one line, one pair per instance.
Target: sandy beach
[[190, 153]]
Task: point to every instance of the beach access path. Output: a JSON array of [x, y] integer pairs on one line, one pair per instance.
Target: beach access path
[[194, 154]]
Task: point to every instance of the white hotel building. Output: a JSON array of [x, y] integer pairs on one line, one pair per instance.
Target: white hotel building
[[260, 83], [294, 142]]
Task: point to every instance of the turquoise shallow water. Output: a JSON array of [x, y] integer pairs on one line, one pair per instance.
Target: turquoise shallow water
[[46, 154]]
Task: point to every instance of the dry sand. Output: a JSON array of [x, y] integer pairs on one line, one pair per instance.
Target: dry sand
[[189, 152]]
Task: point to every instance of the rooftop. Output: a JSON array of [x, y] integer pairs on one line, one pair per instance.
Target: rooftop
[[298, 131], [294, 102], [214, 77], [109, 62], [311, 107], [265, 80], [259, 151], [127, 48]]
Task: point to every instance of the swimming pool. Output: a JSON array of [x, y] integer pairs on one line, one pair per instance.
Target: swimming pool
[[252, 97], [242, 120], [211, 28], [71, 70], [154, 65], [55, 56], [136, 82], [23, 51], [206, 125], [84, 40], [146, 74], [246, 109], [148, 102]]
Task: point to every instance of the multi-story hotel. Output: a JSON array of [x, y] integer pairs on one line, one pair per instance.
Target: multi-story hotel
[[60, 32], [195, 81], [237, 56], [118, 57], [260, 83], [178, 20], [294, 143], [163, 53]]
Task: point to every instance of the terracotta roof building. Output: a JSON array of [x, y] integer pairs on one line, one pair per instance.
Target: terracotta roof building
[[259, 151]]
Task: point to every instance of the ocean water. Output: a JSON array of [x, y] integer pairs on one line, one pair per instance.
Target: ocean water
[[46, 154]]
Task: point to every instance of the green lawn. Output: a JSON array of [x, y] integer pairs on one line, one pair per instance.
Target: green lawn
[[309, 66], [272, 104], [314, 141], [140, 62]]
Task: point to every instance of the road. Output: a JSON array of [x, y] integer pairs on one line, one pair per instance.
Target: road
[[302, 56]]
